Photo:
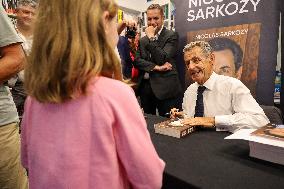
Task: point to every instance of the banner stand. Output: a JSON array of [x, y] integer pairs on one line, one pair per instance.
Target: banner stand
[[282, 59]]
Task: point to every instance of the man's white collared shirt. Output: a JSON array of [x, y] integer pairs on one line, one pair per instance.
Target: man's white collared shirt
[[229, 101]]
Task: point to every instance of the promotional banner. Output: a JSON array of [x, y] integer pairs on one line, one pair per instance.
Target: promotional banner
[[236, 50], [243, 35]]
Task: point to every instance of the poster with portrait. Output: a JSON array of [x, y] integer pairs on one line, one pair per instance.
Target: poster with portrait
[[236, 50], [252, 24]]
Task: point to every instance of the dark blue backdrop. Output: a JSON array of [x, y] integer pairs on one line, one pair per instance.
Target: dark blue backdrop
[[267, 13]]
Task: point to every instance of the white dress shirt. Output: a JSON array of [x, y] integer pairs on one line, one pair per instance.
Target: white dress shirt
[[229, 101]]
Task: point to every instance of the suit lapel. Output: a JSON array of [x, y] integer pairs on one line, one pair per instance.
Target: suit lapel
[[145, 53], [162, 37], [161, 40]]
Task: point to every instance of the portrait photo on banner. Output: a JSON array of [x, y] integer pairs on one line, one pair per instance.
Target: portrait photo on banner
[[236, 50]]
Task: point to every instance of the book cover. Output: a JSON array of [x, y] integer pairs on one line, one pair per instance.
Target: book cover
[[173, 128], [271, 131]]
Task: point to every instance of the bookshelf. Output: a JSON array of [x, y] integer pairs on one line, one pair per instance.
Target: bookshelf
[[168, 7]]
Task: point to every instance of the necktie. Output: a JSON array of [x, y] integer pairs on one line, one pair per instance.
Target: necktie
[[199, 107]]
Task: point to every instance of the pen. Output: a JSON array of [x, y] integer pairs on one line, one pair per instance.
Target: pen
[[169, 113]]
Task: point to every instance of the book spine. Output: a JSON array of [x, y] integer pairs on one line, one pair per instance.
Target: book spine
[[186, 131]]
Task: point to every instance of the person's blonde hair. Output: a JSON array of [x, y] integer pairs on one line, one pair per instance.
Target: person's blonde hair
[[69, 48]]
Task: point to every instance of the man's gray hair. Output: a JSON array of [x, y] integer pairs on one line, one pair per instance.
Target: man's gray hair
[[206, 48], [31, 3]]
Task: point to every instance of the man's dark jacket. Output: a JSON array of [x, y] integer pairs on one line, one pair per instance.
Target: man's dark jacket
[[151, 53]]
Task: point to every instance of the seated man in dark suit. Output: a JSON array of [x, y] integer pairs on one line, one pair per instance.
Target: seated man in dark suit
[[158, 82], [216, 100]]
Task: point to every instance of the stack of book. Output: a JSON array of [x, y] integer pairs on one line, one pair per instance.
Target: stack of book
[[272, 147], [266, 143]]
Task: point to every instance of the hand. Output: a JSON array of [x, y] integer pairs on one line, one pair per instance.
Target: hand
[[200, 121], [125, 23], [131, 23], [121, 26], [150, 31], [168, 66], [175, 113], [165, 67]]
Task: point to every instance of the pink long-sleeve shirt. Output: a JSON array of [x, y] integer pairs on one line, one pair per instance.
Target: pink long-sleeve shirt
[[97, 141]]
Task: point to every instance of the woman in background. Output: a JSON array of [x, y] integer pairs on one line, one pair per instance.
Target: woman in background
[[82, 126]]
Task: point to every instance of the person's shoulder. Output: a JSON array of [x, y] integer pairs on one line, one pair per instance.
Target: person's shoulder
[[144, 39], [105, 82], [111, 93], [191, 87], [109, 87], [170, 33], [8, 33], [231, 83], [228, 80], [122, 40]]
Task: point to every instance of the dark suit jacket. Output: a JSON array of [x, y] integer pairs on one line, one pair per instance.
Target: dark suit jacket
[[151, 53]]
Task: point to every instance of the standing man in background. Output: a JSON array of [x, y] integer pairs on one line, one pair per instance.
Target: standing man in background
[[25, 12], [12, 174], [158, 83]]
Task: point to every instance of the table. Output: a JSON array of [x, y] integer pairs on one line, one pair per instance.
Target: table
[[205, 160]]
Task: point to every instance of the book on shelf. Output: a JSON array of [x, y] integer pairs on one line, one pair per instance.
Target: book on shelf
[[173, 128]]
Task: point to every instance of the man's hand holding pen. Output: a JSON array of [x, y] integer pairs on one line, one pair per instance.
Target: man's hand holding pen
[[174, 113]]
